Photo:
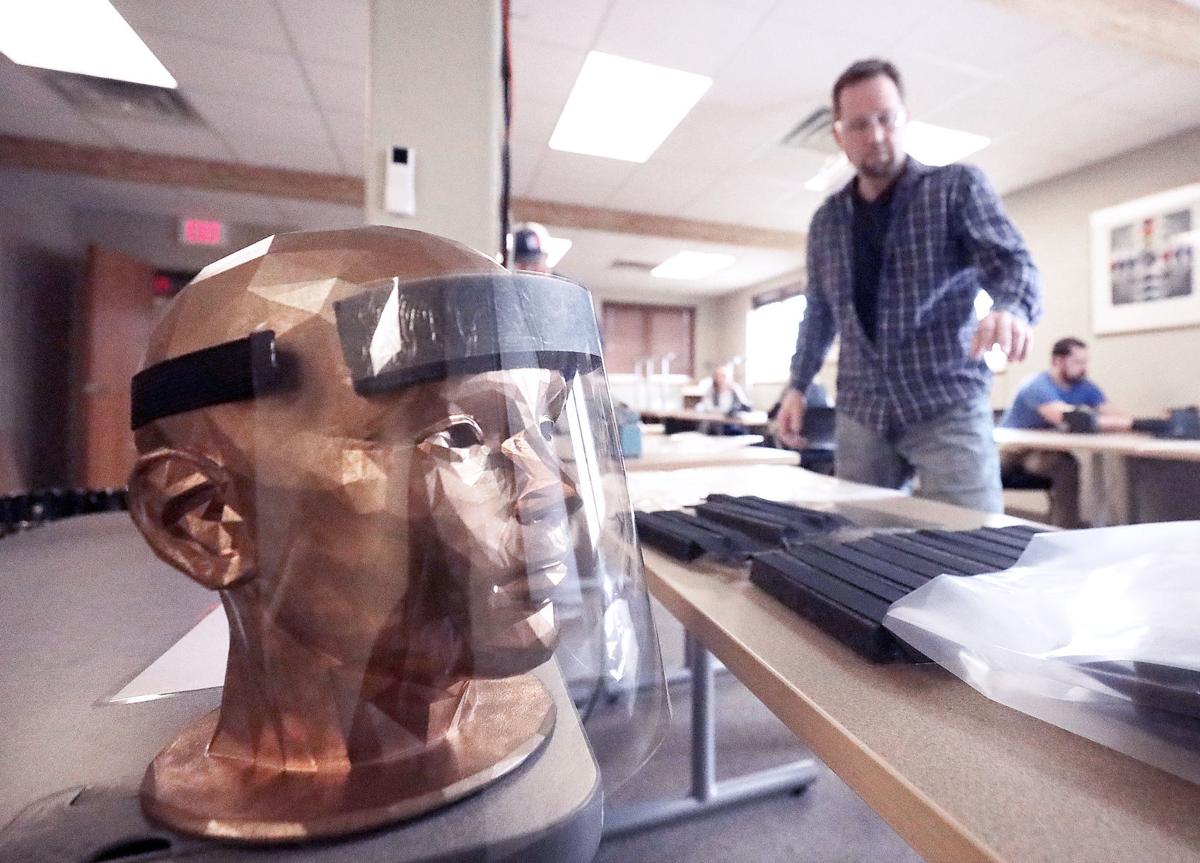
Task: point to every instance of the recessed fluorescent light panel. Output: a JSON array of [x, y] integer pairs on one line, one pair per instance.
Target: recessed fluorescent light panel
[[835, 172], [623, 109], [87, 37], [937, 145], [556, 247], [691, 265]]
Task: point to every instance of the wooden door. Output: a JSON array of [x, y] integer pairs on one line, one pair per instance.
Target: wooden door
[[118, 308]]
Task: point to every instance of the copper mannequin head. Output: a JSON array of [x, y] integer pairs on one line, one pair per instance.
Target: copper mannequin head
[[386, 561]]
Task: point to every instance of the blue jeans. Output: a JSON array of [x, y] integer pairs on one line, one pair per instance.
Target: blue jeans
[[952, 455]]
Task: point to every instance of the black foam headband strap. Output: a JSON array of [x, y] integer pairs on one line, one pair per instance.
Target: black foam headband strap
[[232, 371]]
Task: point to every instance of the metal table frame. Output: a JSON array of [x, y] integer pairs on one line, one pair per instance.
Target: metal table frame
[[707, 794]]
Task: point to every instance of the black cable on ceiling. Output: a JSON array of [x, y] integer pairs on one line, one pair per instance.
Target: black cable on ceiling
[[505, 154]]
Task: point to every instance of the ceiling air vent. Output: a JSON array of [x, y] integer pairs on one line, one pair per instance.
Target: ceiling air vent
[[814, 132], [632, 266], [121, 98]]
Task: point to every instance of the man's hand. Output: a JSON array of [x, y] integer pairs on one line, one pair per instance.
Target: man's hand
[[790, 419], [1005, 329]]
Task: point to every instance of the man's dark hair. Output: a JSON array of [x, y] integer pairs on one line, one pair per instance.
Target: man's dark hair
[[863, 70], [1063, 347]]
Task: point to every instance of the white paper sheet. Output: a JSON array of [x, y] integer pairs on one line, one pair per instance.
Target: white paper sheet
[[196, 661]]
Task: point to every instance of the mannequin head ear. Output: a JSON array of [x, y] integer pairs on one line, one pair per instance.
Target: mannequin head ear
[[183, 504]]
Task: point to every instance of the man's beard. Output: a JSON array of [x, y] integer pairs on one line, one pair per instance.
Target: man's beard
[[884, 169]]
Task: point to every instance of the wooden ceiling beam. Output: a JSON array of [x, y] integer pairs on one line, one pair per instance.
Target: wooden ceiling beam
[[648, 224], [165, 170], [1166, 29]]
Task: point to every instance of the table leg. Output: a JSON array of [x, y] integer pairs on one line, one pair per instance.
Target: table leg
[[1100, 516], [707, 794]]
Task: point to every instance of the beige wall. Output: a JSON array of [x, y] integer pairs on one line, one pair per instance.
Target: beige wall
[[1141, 372], [439, 95]]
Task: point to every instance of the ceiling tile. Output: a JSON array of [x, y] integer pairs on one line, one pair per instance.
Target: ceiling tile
[[997, 109], [66, 124], [787, 163], [1091, 132], [525, 156], [717, 136], [930, 82], [572, 23], [590, 263], [741, 198], [783, 64], [660, 187], [1073, 67], [350, 140], [241, 23], [1013, 164], [332, 30], [208, 67], [176, 139], [32, 109], [338, 87], [543, 72], [692, 35], [980, 34], [1164, 90], [236, 118], [575, 179], [291, 153], [1030, 100], [20, 85], [534, 120], [861, 19]]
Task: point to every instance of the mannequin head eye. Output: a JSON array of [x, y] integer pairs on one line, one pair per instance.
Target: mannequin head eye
[[463, 434], [455, 432]]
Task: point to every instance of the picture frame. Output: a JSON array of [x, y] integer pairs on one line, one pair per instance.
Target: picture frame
[[1145, 263]]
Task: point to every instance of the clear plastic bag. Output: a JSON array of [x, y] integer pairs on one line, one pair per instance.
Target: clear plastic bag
[[1095, 631]]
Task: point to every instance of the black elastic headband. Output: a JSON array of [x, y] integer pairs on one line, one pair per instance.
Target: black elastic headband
[[397, 334], [232, 371]]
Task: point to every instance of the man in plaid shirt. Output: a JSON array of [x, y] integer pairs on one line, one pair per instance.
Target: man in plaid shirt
[[895, 261]]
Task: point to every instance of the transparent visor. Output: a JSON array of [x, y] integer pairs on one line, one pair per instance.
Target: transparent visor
[[448, 541]]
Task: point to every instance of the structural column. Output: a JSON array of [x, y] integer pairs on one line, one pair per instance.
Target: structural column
[[434, 88]]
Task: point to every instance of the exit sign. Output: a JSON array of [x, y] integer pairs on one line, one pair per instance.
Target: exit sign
[[201, 232]]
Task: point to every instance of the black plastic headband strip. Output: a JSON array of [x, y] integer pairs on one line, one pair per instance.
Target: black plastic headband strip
[[228, 372], [564, 361], [438, 327]]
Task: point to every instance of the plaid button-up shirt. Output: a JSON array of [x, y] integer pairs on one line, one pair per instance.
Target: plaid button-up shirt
[[947, 239]]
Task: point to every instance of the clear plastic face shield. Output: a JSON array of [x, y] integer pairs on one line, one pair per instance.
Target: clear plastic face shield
[[416, 514]]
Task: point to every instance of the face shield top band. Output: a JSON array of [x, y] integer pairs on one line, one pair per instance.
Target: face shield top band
[[399, 334], [406, 332], [232, 371]]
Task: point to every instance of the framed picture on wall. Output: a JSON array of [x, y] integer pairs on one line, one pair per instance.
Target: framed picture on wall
[[1144, 263]]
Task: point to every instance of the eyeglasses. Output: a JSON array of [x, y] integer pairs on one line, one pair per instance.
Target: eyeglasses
[[888, 121]]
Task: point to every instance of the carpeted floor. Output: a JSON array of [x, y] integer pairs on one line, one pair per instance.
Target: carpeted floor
[[827, 823]]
